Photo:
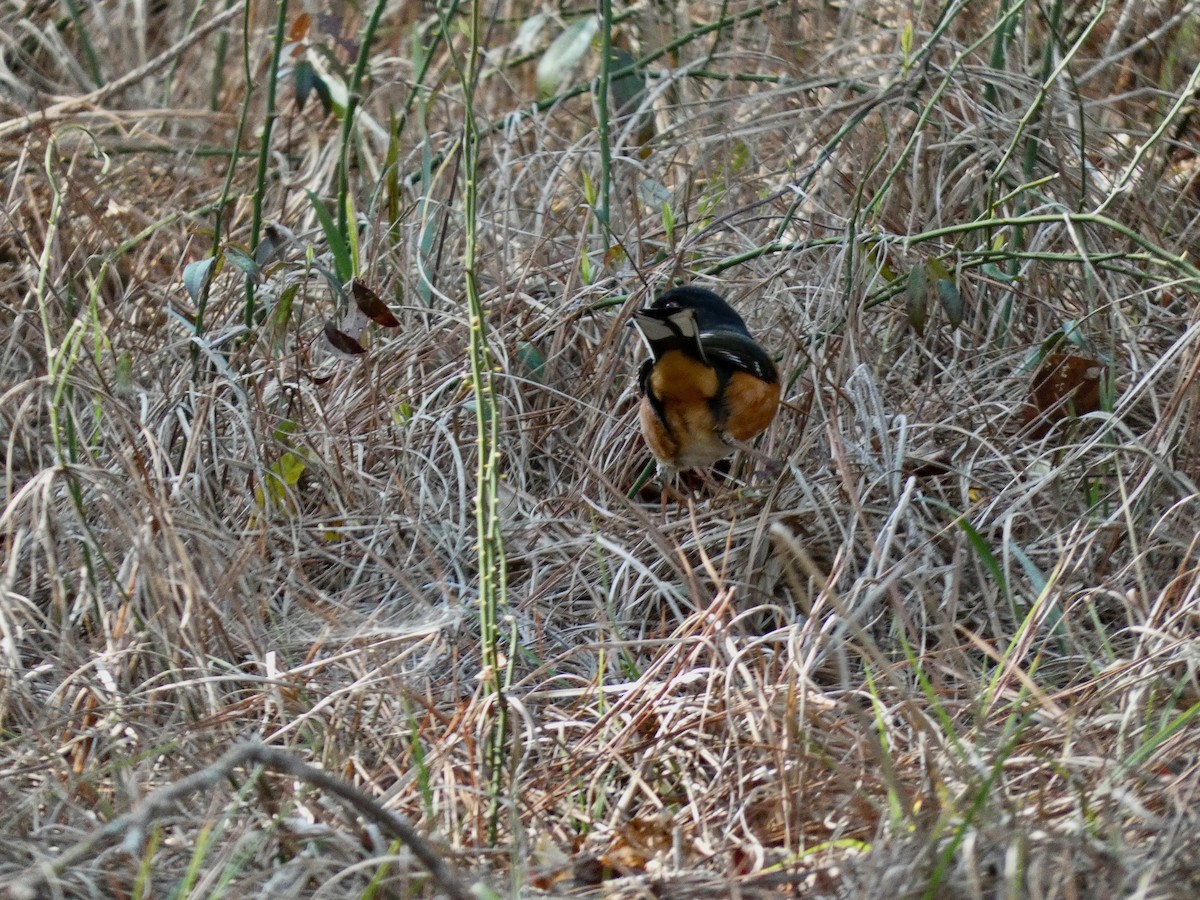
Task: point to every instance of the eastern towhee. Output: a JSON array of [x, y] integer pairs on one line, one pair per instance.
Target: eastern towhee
[[708, 386]]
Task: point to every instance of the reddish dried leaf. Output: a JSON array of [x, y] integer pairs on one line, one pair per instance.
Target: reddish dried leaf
[[589, 870], [927, 467], [743, 862], [648, 834], [624, 860], [547, 880], [372, 307], [636, 843], [1065, 385], [342, 341], [299, 29]]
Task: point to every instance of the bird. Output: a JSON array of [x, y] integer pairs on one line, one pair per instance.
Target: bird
[[708, 386]]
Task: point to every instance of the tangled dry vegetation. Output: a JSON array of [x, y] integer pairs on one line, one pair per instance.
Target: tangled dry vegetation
[[950, 651]]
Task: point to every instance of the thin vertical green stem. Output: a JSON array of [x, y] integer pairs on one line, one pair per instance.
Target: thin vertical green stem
[[1003, 38], [353, 97], [264, 152], [43, 290], [602, 94], [218, 69], [85, 43], [493, 576], [227, 187]]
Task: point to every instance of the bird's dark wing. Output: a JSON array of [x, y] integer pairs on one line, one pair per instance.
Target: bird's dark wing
[[644, 376], [740, 353]]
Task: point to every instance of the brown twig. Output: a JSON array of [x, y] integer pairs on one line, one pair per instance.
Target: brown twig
[[134, 824], [65, 108]]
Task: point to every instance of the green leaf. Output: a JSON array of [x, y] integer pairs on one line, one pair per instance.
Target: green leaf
[[418, 52], [281, 478], [1032, 572], [952, 300], [1141, 754], [268, 249], [337, 287], [916, 297], [1072, 333], [527, 34], [283, 431], [195, 276], [628, 90], [125, 370], [652, 193], [321, 86], [740, 157], [994, 271], [589, 188], [306, 80], [283, 306], [533, 358], [331, 86], [945, 287], [391, 177], [564, 54], [877, 253], [986, 557], [351, 234], [629, 93], [243, 261], [337, 243]]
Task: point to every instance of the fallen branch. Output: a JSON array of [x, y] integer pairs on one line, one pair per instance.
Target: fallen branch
[[132, 827], [89, 101]]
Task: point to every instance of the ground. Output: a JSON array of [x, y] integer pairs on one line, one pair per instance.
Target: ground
[[326, 515]]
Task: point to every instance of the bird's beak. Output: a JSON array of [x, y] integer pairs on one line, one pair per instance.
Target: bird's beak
[[658, 315], [643, 313], [656, 325]]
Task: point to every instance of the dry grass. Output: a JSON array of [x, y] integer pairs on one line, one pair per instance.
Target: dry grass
[[945, 654]]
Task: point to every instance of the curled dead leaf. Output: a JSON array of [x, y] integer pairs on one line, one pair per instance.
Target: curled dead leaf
[[1065, 385], [372, 306], [342, 341]]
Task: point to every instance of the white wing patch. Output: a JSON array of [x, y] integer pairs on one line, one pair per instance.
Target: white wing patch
[[680, 324]]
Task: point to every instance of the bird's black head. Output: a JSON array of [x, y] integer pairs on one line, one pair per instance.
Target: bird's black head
[[712, 312]]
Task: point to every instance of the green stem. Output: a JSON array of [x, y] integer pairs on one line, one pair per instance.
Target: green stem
[[353, 97], [602, 201], [226, 188], [493, 577], [264, 153]]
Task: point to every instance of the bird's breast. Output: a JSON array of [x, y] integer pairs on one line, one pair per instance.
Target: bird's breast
[[679, 378]]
